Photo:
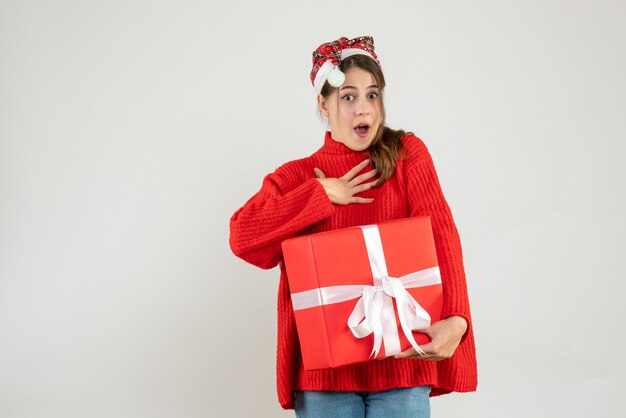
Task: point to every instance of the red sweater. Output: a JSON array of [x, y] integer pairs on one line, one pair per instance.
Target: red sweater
[[291, 202]]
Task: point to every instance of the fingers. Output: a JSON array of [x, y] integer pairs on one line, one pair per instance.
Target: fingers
[[415, 356], [319, 173], [427, 348], [421, 357], [344, 190], [432, 352], [408, 353], [362, 187], [360, 179], [355, 170], [356, 199], [411, 353]]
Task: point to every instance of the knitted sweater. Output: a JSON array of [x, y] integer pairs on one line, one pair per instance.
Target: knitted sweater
[[292, 202]]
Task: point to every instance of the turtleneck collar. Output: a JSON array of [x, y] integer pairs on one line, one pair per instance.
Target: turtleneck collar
[[332, 146]]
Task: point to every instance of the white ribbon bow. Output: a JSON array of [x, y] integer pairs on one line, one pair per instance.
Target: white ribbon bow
[[374, 312], [370, 316]]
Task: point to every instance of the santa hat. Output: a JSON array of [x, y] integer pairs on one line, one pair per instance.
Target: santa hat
[[328, 56]]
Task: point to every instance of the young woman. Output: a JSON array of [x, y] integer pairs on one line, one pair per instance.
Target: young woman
[[335, 188]]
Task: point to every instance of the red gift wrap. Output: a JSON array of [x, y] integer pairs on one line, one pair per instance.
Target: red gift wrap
[[360, 293]]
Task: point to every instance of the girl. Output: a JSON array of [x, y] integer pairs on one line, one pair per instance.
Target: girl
[[335, 188]]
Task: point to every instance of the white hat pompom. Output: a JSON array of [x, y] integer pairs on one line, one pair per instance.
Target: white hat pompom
[[336, 77]]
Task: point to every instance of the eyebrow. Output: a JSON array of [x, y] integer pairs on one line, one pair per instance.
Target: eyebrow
[[352, 87]]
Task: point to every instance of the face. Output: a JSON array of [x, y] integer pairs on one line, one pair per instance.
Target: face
[[356, 103]]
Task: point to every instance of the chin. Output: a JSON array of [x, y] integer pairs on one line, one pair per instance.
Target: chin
[[355, 143], [359, 148], [360, 145]]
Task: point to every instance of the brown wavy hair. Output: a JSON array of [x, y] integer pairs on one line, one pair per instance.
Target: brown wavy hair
[[387, 143]]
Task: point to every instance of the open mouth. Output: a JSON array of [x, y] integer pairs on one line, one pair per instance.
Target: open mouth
[[362, 130]]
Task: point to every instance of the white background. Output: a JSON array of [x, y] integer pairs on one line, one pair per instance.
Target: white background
[[130, 132]]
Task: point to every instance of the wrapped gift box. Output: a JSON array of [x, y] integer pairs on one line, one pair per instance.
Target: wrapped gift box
[[360, 293]]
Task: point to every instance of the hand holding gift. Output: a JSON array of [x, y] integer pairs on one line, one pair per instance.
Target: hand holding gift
[[445, 338], [364, 292]]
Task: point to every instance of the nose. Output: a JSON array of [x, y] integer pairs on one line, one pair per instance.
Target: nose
[[362, 106], [363, 110]]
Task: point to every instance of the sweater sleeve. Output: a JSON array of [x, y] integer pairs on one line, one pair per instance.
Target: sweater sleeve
[[426, 198], [276, 212]]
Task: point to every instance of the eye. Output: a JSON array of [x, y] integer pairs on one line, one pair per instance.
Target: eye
[[373, 94], [347, 95]]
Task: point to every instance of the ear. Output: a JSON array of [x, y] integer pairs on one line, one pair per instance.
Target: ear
[[321, 103]]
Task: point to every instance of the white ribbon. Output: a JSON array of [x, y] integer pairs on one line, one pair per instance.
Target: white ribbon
[[374, 311]]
